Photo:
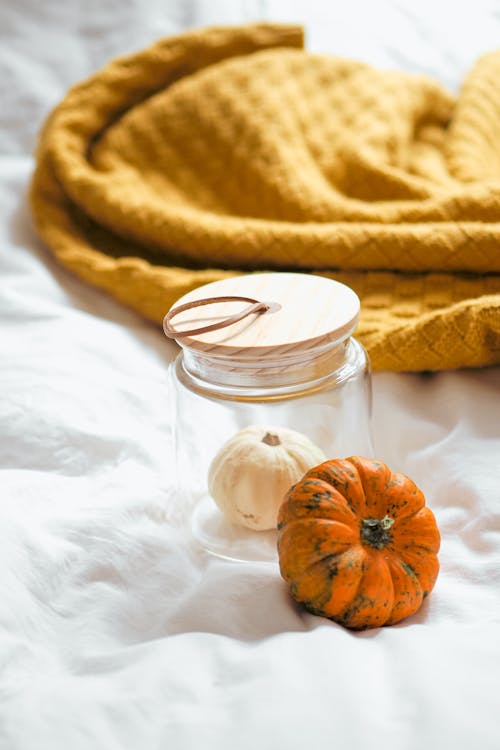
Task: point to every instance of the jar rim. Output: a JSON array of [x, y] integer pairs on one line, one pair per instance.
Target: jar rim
[[206, 375]]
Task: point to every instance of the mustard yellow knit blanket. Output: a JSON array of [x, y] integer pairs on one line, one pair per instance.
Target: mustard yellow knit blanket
[[232, 149]]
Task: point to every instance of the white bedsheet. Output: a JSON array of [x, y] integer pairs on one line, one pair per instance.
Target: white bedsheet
[[113, 635]]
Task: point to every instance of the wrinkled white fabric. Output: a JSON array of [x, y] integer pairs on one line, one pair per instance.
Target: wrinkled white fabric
[[114, 633]]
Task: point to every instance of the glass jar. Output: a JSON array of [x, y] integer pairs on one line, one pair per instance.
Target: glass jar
[[292, 366]]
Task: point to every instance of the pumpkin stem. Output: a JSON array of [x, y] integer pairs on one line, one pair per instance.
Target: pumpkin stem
[[375, 531], [271, 439]]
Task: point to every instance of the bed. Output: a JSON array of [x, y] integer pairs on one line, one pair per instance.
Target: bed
[[114, 632]]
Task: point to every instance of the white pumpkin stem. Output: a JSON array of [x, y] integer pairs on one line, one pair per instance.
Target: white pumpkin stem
[[271, 438]]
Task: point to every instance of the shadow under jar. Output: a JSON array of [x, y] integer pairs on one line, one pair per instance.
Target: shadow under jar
[[292, 365]]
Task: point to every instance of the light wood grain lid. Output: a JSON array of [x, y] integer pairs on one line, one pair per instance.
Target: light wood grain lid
[[308, 312]]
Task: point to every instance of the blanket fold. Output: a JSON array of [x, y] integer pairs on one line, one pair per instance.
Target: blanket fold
[[232, 149]]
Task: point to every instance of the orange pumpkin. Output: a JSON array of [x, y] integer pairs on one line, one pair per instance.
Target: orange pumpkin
[[357, 543]]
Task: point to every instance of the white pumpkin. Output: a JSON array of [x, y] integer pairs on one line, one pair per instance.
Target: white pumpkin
[[251, 473]]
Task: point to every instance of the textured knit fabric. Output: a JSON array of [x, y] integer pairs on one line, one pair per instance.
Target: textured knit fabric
[[232, 149]]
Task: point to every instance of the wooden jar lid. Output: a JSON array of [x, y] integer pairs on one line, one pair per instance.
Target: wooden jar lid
[[307, 312]]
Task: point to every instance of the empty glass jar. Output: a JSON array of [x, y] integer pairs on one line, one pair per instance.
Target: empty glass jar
[[284, 361]]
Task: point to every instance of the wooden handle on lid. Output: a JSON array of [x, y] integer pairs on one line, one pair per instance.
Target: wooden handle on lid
[[256, 307]]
